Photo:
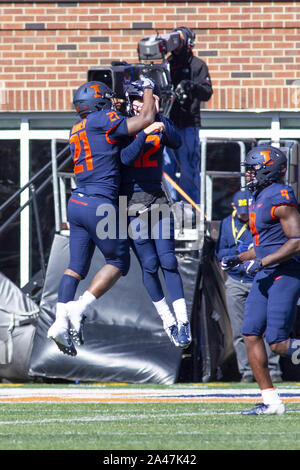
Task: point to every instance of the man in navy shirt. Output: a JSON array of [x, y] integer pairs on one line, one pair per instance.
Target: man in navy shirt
[[272, 303], [235, 237], [154, 244], [94, 144]]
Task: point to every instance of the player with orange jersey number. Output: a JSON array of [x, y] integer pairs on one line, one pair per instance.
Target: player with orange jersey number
[[95, 148], [141, 182], [272, 302]]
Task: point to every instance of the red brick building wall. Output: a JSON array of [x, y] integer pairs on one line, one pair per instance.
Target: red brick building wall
[[252, 48]]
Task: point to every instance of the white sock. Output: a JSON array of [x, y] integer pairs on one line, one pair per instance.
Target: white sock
[[179, 306], [164, 312], [86, 299], [61, 315], [270, 396]]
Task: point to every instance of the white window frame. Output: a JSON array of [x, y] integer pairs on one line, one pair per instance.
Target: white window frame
[[24, 135]]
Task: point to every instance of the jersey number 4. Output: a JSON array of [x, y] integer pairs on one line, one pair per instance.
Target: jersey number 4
[[77, 139]]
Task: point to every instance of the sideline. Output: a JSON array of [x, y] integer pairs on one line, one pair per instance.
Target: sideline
[[17, 394]]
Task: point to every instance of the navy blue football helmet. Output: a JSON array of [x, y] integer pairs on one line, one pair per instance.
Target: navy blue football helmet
[[135, 91], [264, 165], [91, 97]]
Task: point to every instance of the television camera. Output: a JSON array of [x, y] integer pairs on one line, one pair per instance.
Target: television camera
[[120, 74]]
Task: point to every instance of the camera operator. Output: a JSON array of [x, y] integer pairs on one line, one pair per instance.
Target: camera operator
[[192, 84]]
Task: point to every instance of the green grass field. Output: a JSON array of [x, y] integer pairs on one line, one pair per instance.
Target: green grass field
[[144, 426]]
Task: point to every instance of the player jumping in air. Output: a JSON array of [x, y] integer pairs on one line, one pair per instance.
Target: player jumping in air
[[141, 182], [94, 144], [271, 305]]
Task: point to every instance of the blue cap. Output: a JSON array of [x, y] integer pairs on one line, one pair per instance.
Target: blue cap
[[241, 202]]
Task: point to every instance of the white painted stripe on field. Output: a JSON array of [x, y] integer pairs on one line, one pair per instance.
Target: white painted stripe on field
[[135, 394]]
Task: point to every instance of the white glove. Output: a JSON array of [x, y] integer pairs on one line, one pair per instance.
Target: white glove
[[147, 82]]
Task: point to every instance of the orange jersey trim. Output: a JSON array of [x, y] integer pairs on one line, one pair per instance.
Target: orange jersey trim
[[278, 205], [107, 135]]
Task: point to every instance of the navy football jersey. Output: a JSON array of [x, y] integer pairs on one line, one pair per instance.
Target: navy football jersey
[[94, 144], [142, 158], [267, 231]]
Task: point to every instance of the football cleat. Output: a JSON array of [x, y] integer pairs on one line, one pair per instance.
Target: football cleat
[[262, 409], [62, 338], [184, 335], [172, 332], [77, 319]]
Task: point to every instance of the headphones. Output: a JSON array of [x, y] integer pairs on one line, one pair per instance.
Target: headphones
[[187, 35]]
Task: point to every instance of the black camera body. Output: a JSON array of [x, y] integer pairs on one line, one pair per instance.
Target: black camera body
[[119, 74], [116, 76]]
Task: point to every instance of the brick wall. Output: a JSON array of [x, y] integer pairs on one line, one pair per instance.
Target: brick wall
[[252, 48]]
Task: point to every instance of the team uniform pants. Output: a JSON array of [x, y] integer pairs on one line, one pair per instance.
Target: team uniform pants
[[155, 248], [236, 295], [86, 233], [272, 302]]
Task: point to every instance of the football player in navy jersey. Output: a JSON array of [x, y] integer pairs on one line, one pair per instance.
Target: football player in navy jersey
[[154, 245], [271, 304], [94, 144]]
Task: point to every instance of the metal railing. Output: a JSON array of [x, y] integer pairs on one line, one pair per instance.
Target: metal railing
[[34, 191], [62, 179], [207, 177]]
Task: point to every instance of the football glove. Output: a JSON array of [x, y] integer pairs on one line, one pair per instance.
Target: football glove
[[187, 85], [146, 82], [229, 262], [253, 266]]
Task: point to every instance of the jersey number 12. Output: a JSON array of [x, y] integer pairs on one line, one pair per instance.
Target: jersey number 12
[[143, 160]]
